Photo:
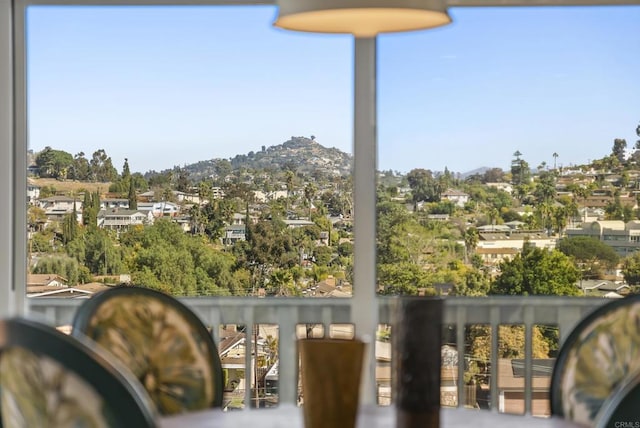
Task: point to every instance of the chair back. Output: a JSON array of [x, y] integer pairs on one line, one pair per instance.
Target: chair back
[[50, 379], [162, 342], [593, 361]]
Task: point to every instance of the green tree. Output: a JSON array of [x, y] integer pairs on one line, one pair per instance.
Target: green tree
[[631, 269], [520, 173], [80, 169], [101, 255], [309, 193], [591, 254], [471, 239], [40, 242], [269, 246], [165, 258], [183, 183], [614, 210], [54, 163], [423, 186], [474, 283], [545, 188], [70, 226], [281, 283], [323, 255], [222, 168], [537, 271], [36, 218], [90, 209], [101, 167], [133, 200], [62, 265], [618, 149], [215, 216], [126, 172], [401, 279], [391, 216]]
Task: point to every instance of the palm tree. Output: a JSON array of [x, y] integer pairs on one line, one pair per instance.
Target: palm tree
[[281, 281], [471, 238], [555, 157], [289, 183], [309, 193]]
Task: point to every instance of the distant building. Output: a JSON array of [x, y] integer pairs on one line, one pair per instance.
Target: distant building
[[59, 203], [505, 187], [111, 203], [623, 238], [511, 386], [160, 209], [455, 196], [234, 233], [119, 220], [52, 285], [496, 246], [33, 192], [57, 207], [292, 224]]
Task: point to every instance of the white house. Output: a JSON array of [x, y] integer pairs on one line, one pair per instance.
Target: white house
[[456, 196], [33, 192], [160, 209]]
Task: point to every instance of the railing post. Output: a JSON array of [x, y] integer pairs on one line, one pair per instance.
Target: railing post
[[363, 304], [288, 357], [528, 357], [494, 319], [461, 320], [248, 356]]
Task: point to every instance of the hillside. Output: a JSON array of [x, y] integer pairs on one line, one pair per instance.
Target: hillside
[[301, 154], [68, 187]]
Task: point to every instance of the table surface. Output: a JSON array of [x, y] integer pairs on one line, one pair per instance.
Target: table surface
[[289, 416]]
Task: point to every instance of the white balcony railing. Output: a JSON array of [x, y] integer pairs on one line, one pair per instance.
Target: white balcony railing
[[563, 312]]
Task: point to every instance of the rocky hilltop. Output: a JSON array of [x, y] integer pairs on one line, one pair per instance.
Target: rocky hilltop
[[300, 154]]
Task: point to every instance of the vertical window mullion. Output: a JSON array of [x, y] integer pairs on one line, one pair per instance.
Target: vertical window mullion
[[364, 306], [19, 158], [7, 292]]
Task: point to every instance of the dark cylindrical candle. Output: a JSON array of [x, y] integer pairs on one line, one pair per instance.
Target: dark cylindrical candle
[[417, 336]]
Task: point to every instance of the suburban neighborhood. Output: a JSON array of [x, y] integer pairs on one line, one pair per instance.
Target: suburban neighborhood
[[279, 223]]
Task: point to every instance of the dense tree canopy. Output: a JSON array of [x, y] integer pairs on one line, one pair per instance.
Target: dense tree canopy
[[631, 269], [591, 254], [54, 163], [537, 271], [424, 187]]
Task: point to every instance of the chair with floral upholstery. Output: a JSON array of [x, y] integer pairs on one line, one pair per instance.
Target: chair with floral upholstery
[[49, 379], [162, 342], [621, 408], [597, 355]]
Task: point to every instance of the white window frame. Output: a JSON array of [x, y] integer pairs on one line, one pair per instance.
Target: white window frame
[[13, 149]]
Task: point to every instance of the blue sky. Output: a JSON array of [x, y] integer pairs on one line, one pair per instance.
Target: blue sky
[[167, 86]]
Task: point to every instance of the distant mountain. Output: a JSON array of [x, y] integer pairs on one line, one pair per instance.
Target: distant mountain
[[477, 171], [300, 154]]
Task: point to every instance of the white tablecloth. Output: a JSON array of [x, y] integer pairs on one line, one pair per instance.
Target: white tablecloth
[[289, 416]]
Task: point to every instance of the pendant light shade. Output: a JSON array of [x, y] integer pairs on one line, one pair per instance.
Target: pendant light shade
[[362, 18]]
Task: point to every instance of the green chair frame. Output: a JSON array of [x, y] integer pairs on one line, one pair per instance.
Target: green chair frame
[[127, 401], [85, 323]]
